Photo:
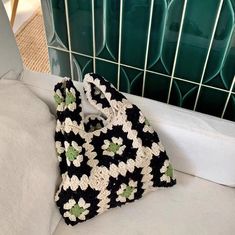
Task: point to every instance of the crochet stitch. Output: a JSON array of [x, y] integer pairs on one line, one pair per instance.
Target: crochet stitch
[[105, 160]]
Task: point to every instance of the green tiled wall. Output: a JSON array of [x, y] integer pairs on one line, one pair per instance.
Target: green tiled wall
[[180, 52]]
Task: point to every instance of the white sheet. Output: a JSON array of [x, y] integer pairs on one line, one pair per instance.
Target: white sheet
[[28, 163], [192, 207], [196, 143]]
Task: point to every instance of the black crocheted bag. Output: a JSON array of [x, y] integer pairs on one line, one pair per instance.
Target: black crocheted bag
[[105, 160]]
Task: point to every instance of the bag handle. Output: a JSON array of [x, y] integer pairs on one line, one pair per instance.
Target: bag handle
[[68, 100], [102, 94]]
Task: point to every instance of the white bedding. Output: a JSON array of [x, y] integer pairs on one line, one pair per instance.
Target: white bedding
[[28, 163]]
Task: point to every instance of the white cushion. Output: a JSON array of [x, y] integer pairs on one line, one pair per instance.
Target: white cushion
[[192, 207], [28, 163], [196, 143]]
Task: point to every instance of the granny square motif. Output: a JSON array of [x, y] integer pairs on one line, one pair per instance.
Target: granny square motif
[[105, 160]]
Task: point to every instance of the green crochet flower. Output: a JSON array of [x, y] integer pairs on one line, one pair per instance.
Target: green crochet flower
[[76, 210], [58, 99], [127, 192], [70, 98], [113, 147], [169, 171], [71, 153]]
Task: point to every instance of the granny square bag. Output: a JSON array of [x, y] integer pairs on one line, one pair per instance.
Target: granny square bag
[[105, 160]]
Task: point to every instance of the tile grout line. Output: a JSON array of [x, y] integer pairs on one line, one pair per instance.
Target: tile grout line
[[177, 50], [131, 67], [58, 48], [139, 69], [69, 39], [208, 52], [215, 88], [228, 98], [81, 54], [53, 21], [119, 43], [93, 34], [157, 73], [147, 45]]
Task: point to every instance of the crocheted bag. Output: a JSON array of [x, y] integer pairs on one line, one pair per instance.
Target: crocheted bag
[[105, 160]]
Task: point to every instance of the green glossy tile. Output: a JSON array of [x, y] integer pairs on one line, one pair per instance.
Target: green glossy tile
[[156, 87], [80, 21], [157, 31], [218, 81], [55, 23], [211, 101], [230, 110], [195, 39], [183, 94], [228, 71], [221, 59], [107, 28], [233, 4], [131, 80], [59, 62], [196, 34], [134, 32], [107, 70], [171, 33], [81, 66]]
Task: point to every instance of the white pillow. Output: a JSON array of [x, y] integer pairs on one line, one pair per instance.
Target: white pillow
[[28, 163]]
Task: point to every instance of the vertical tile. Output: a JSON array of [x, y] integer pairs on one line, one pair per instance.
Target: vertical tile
[[157, 32], [55, 19], [107, 28], [59, 62], [233, 4], [230, 110], [81, 66], [211, 101], [107, 70], [156, 87], [171, 34], [220, 57], [134, 32], [131, 80], [80, 21], [227, 72], [195, 39], [183, 94]]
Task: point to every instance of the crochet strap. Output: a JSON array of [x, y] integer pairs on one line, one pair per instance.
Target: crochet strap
[[68, 101], [102, 94]]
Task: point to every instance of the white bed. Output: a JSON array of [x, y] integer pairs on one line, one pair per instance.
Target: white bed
[[201, 147], [197, 144]]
